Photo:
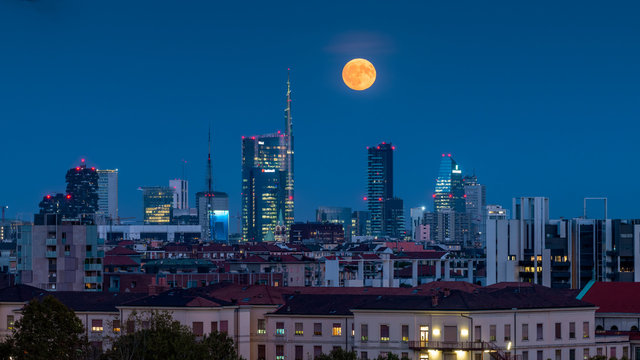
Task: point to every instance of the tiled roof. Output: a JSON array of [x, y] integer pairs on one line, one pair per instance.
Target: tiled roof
[[19, 293], [614, 297], [178, 298], [119, 260], [120, 250]]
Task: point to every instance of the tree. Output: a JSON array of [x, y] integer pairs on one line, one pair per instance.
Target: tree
[[338, 354], [48, 330], [162, 338]]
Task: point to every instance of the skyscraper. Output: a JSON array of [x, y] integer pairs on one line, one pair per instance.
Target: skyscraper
[[475, 202], [268, 181], [108, 194], [180, 193], [82, 191], [264, 179], [449, 191], [336, 215], [158, 204], [379, 183]]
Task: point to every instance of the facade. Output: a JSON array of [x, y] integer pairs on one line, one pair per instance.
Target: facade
[[448, 227], [417, 221], [108, 194], [475, 202], [394, 218], [318, 233], [180, 193], [157, 204], [169, 233], [60, 257], [449, 190], [336, 215], [361, 223], [213, 213], [379, 184]]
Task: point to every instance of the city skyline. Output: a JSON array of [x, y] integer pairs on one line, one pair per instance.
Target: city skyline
[[520, 106]]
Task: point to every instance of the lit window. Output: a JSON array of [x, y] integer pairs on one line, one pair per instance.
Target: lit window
[[337, 330], [116, 326], [405, 333], [299, 330], [262, 326], [96, 325], [384, 332], [317, 329], [10, 322], [280, 328]]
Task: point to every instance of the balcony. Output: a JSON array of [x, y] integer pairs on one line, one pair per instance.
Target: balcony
[[93, 279], [50, 254], [93, 267], [51, 241], [450, 345]]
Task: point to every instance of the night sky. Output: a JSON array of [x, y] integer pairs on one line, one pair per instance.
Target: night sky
[[539, 98]]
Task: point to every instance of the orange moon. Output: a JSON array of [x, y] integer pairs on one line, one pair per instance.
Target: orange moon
[[359, 74]]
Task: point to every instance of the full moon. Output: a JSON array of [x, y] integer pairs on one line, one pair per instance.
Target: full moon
[[359, 74]]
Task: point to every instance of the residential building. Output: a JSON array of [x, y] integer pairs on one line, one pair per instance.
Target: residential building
[[379, 184], [82, 191]]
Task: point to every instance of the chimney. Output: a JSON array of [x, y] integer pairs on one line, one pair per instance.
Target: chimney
[[434, 300]]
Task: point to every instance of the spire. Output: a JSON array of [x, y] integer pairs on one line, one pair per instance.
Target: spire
[[288, 126], [209, 169]]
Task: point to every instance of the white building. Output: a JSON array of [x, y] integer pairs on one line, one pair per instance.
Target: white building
[[180, 193]]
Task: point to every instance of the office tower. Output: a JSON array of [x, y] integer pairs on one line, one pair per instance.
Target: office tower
[[447, 227], [213, 213], [449, 191], [268, 182], [82, 188], [264, 177], [379, 184], [158, 204], [417, 220], [108, 194], [180, 193], [317, 233], [496, 212], [62, 256], [336, 215], [394, 218], [361, 223], [475, 203]]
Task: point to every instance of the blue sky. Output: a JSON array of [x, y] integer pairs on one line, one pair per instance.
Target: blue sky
[[540, 98]]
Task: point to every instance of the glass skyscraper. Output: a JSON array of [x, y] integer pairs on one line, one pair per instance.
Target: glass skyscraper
[[158, 204], [379, 184], [108, 194], [449, 191]]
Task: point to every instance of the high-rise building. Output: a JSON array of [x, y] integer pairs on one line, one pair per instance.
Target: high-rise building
[[475, 202], [180, 193], [108, 194], [213, 213], [449, 191], [361, 223], [158, 204], [394, 218], [61, 256], [264, 179], [268, 182], [82, 189], [336, 215], [417, 220], [379, 184]]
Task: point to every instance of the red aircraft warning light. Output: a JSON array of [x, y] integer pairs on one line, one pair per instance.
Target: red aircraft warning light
[[68, 196]]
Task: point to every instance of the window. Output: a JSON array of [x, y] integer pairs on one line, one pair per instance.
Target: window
[[612, 351], [585, 354], [336, 329], [558, 331], [224, 326], [364, 333], [404, 355], [131, 326], [384, 332], [317, 350], [279, 328], [279, 352], [625, 352], [364, 355], [558, 354], [96, 325], [507, 332], [405, 333], [477, 333], [317, 329], [525, 332], [299, 353], [299, 331], [539, 355], [262, 326], [572, 330], [145, 324], [262, 352], [116, 326], [585, 329], [525, 355], [10, 322], [492, 333], [198, 328], [572, 354], [539, 332], [353, 329], [599, 351], [214, 326]]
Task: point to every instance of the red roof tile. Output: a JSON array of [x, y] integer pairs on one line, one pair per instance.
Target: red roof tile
[[614, 297]]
